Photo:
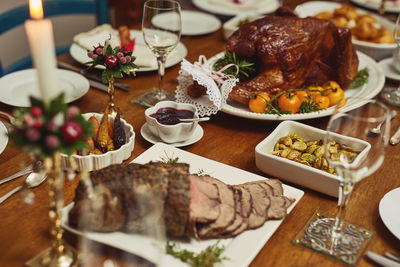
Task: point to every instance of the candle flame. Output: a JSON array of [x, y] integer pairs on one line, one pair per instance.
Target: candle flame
[[36, 9]]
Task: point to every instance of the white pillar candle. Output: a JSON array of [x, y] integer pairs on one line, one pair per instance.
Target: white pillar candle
[[41, 42]]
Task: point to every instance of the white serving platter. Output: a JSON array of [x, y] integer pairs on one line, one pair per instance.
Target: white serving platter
[[240, 250]]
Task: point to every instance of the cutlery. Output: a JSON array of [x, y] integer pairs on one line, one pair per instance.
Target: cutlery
[[377, 129], [8, 116], [381, 260], [392, 256], [395, 139], [195, 119], [34, 179], [91, 76], [35, 166]]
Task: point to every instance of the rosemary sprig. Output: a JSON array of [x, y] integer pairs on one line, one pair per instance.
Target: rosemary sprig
[[361, 78], [246, 68], [206, 258], [309, 106]]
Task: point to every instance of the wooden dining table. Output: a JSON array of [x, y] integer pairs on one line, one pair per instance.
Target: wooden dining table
[[24, 229]]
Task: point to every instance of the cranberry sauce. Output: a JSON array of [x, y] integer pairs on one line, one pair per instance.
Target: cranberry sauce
[[171, 116]]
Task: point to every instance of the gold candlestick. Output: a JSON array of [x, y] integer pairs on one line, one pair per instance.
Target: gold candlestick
[[59, 254], [111, 94]]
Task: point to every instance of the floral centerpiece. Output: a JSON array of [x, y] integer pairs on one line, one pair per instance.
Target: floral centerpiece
[[117, 61], [45, 129]]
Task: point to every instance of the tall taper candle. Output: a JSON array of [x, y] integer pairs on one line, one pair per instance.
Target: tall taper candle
[[41, 42]]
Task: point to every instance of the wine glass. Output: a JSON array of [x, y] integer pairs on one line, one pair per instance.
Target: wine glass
[[391, 95], [354, 152], [161, 28]]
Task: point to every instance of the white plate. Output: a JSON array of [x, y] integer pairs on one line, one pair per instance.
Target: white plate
[[3, 137], [369, 90], [390, 6], [150, 137], [16, 87], [389, 211], [374, 50], [389, 70], [240, 250], [193, 22], [80, 54], [265, 7]]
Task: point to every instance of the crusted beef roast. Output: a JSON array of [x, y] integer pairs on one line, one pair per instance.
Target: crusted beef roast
[[135, 197], [292, 52]]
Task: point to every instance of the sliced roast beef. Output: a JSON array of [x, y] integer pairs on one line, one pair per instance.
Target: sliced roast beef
[[227, 210], [260, 204], [204, 200]]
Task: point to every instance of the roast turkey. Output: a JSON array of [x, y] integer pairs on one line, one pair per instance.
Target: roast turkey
[[291, 52]]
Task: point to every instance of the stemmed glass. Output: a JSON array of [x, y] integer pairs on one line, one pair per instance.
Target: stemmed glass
[[391, 95], [161, 28], [354, 152]]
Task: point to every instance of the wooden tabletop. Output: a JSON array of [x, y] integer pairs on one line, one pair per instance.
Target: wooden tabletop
[[24, 229]]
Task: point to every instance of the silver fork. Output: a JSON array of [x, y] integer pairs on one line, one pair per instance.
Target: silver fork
[[8, 116]]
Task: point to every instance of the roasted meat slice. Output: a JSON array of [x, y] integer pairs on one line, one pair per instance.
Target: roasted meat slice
[[292, 52]]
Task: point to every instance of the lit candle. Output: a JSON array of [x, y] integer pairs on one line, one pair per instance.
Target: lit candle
[[41, 42]]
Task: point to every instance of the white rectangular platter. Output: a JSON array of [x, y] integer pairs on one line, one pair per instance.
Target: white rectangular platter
[[239, 251]]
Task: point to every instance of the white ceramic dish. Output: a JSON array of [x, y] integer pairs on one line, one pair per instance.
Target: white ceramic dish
[[224, 7], [16, 87], [232, 25], [3, 137], [376, 51], [150, 137], [79, 53], [240, 250], [298, 173], [389, 70], [193, 22], [389, 211], [369, 90], [171, 133], [96, 162], [390, 6]]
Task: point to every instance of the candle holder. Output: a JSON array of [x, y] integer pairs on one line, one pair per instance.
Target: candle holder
[[46, 130], [111, 95], [59, 254]]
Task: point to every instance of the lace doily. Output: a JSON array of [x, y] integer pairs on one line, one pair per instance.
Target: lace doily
[[218, 86]]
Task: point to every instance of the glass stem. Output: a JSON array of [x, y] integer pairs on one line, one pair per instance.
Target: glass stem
[[345, 189], [161, 69]]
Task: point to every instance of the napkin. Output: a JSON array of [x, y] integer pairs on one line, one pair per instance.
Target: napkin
[[89, 40], [243, 5]]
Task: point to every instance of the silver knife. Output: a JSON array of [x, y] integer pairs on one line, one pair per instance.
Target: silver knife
[[98, 85], [395, 139], [383, 261], [90, 76]]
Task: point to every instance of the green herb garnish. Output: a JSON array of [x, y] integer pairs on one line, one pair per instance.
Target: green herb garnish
[[360, 79], [246, 68], [206, 258], [309, 106]]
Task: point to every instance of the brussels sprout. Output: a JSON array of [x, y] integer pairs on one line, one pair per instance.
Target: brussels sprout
[[299, 145], [287, 141]]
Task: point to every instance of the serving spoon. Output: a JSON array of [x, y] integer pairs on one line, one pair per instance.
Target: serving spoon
[[195, 119], [377, 129], [34, 179]]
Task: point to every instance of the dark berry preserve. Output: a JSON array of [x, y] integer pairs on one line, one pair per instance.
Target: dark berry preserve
[[171, 116]]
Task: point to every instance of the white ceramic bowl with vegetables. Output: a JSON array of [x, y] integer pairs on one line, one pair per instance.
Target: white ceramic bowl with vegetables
[[300, 173], [163, 121], [98, 161]]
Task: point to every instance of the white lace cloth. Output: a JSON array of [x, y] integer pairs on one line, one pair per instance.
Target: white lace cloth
[[218, 86]]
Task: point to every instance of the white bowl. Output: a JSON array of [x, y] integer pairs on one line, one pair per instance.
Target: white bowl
[[376, 51], [171, 133], [296, 172], [232, 25], [96, 162]]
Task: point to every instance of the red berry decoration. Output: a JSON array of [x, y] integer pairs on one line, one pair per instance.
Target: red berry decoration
[[36, 112], [71, 131], [111, 61]]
